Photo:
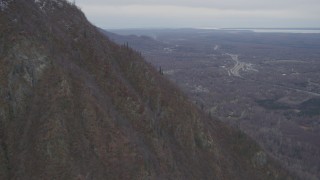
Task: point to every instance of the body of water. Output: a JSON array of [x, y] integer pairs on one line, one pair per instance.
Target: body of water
[[267, 30]]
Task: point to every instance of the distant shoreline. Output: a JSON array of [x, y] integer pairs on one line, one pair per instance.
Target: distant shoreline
[[277, 30], [253, 30]]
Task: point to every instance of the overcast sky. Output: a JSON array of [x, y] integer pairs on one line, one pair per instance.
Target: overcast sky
[[111, 14]]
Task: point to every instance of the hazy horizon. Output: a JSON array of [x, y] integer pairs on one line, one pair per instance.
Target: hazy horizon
[[121, 14]]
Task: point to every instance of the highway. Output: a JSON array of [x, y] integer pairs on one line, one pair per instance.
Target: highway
[[237, 66]]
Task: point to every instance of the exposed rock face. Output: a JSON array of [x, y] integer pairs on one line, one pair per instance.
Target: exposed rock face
[[74, 105]]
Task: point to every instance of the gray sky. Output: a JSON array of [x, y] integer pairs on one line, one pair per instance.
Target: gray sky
[[201, 13]]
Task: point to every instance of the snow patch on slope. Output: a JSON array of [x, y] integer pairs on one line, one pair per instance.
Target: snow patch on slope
[[49, 5], [4, 4]]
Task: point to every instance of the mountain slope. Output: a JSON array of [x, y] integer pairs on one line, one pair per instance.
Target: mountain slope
[[75, 105]]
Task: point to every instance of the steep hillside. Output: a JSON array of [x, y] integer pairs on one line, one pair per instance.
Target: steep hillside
[[137, 42], [74, 105]]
